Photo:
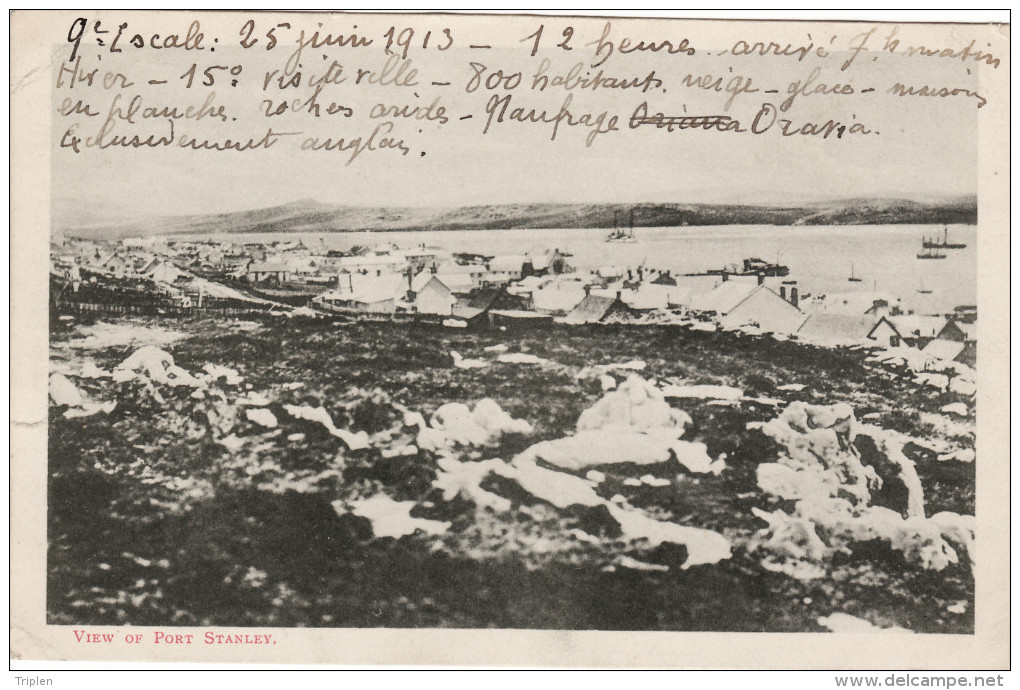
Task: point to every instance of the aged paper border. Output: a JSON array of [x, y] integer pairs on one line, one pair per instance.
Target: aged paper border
[[31, 638]]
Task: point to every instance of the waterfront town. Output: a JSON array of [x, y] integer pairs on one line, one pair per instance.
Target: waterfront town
[[462, 290], [275, 431]]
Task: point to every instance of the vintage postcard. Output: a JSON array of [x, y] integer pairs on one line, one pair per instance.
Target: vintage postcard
[[509, 340]]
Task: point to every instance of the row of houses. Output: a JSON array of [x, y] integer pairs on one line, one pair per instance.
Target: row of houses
[[119, 265], [539, 286], [137, 272], [279, 269], [735, 304], [387, 293], [739, 304]]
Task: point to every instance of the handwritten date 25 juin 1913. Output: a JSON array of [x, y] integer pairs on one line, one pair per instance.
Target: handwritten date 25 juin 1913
[[388, 88]]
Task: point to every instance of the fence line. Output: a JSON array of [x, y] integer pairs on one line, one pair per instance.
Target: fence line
[[178, 311], [153, 309]]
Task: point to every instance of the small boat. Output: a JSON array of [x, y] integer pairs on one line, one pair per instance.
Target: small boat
[[944, 244], [931, 254], [853, 278], [753, 267], [622, 235], [922, 290]]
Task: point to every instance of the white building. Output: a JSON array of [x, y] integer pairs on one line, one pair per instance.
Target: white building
[[739, 303], [393, 262], [504, 269], [429, 295], [558, 297]]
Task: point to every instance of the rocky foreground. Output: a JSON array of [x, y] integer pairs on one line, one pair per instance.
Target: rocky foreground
[[294, 472]]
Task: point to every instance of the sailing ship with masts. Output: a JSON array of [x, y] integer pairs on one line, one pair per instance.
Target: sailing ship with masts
[[620, 234], [930, 254]]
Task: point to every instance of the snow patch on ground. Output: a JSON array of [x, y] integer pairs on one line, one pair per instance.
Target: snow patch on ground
[[158, 366], [391, 518], [822, 470], [456, 424], [358, 441], [704, 547], [634, 564], [597, 447], [633, 423], [522, 358], [635, 405], [253, 400], [261, 416], [463, 479], [960, 455], [229, 376], [959, 409], [123, 334], [461, 363], [63, 392]]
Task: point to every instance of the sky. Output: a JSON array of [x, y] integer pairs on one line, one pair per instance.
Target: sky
[[920, 147]]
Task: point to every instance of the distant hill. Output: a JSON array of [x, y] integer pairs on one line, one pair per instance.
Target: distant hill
[[317, 217]]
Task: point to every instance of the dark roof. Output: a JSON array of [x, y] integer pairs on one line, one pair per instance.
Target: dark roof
[[466, 313], [826, 326], [496, 298], [887, 322], [968, 355], [958, 330], [519, 314], [483, 299], [593, 309]]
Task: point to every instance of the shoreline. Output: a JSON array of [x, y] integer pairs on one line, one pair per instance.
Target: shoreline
[[190, 235]]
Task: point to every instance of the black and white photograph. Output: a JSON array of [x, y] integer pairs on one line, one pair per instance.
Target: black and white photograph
[[517, 323]]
